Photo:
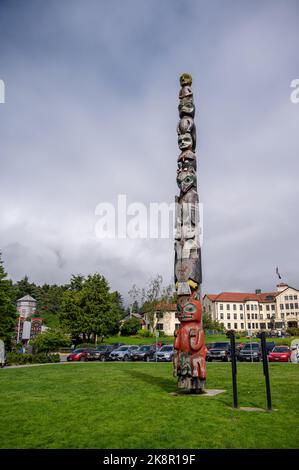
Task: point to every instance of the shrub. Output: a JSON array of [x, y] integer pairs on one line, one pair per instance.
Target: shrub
[[130, 327], [85, 345], [293, 331], [21, 359], [50, 341], [145, 333]]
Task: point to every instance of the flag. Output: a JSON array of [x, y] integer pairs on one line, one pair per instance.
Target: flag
[[277, 272]]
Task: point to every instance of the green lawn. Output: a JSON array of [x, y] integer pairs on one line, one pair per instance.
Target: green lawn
[[128, 405]]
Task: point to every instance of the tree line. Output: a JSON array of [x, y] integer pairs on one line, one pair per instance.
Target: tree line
[[86, 309]]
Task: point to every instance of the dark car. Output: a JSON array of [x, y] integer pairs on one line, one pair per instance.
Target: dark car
[[270, 345], [144, 353], [102, 352], [219, 352], [82, 354], [250, 352]]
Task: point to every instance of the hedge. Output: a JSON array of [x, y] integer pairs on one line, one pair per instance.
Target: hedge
[[20, 359]]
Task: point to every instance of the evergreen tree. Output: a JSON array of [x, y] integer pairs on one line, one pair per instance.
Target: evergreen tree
[[90, 311], [8, 312]]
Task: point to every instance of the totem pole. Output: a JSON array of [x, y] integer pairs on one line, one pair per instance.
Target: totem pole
[[190, 351]]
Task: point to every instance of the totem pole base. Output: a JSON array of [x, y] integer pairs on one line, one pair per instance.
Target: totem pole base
[[191, 384]]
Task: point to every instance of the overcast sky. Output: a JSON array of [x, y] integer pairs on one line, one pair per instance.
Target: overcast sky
[[91, 112]]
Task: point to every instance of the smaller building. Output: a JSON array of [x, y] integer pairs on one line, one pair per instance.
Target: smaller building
[[26, 306], [165, 319]]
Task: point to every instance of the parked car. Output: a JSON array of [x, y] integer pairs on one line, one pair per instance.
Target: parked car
[[117, 345], [269, 346], [144, 353], [82, 354], [239, 347], [165, 353], [280, 354], [250, 352], [123, 353], [103, 352], [219, 352]]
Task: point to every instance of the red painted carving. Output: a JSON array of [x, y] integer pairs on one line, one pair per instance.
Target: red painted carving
[[190, 355]]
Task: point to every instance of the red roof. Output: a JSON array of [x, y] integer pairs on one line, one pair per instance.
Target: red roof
[[166, 307], [242, 296]]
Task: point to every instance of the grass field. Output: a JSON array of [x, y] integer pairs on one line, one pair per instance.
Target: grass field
[[129, 405]]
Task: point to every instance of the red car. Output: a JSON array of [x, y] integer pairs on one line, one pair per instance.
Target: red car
[[79, 355], [280, 354]]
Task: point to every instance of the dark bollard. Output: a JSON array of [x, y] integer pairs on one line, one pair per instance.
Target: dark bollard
[[266, 369], [231, 335]]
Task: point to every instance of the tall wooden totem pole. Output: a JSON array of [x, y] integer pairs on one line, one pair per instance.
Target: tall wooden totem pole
[[190, 351]]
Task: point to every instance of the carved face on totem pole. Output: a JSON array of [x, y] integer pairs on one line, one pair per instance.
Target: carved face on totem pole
[[186, 79], [185, 91], [186, 107], [185, 141], [186, 179], [190, 311], [186, 124]]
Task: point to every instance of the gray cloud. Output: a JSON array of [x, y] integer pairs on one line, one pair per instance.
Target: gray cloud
[[91, 111]]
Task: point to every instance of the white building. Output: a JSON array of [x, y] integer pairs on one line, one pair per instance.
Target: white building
[[255, 311], [26, 306], [165, 319]]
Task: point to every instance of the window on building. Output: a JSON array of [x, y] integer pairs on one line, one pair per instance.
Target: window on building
[[255, 307], [286, 297], [235, 316], [247, 307], [248, 316], [221, 316], [252, 307], [268, 316], [290, 297], [252, 316], [287, 306], [255, 316], [242, 326], [220, 306], [159, 315], [281, 306], [249, 326], [228, 326], [235, 326], [272, 307], [282, 315], [261, 316], [227, 306], [267, 307], [241, 307], [295, 297], [241, 316], [159, 326], [228, 316], [296, 305], [291, 306], [222, 325], [261, 307], [234, 307]]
